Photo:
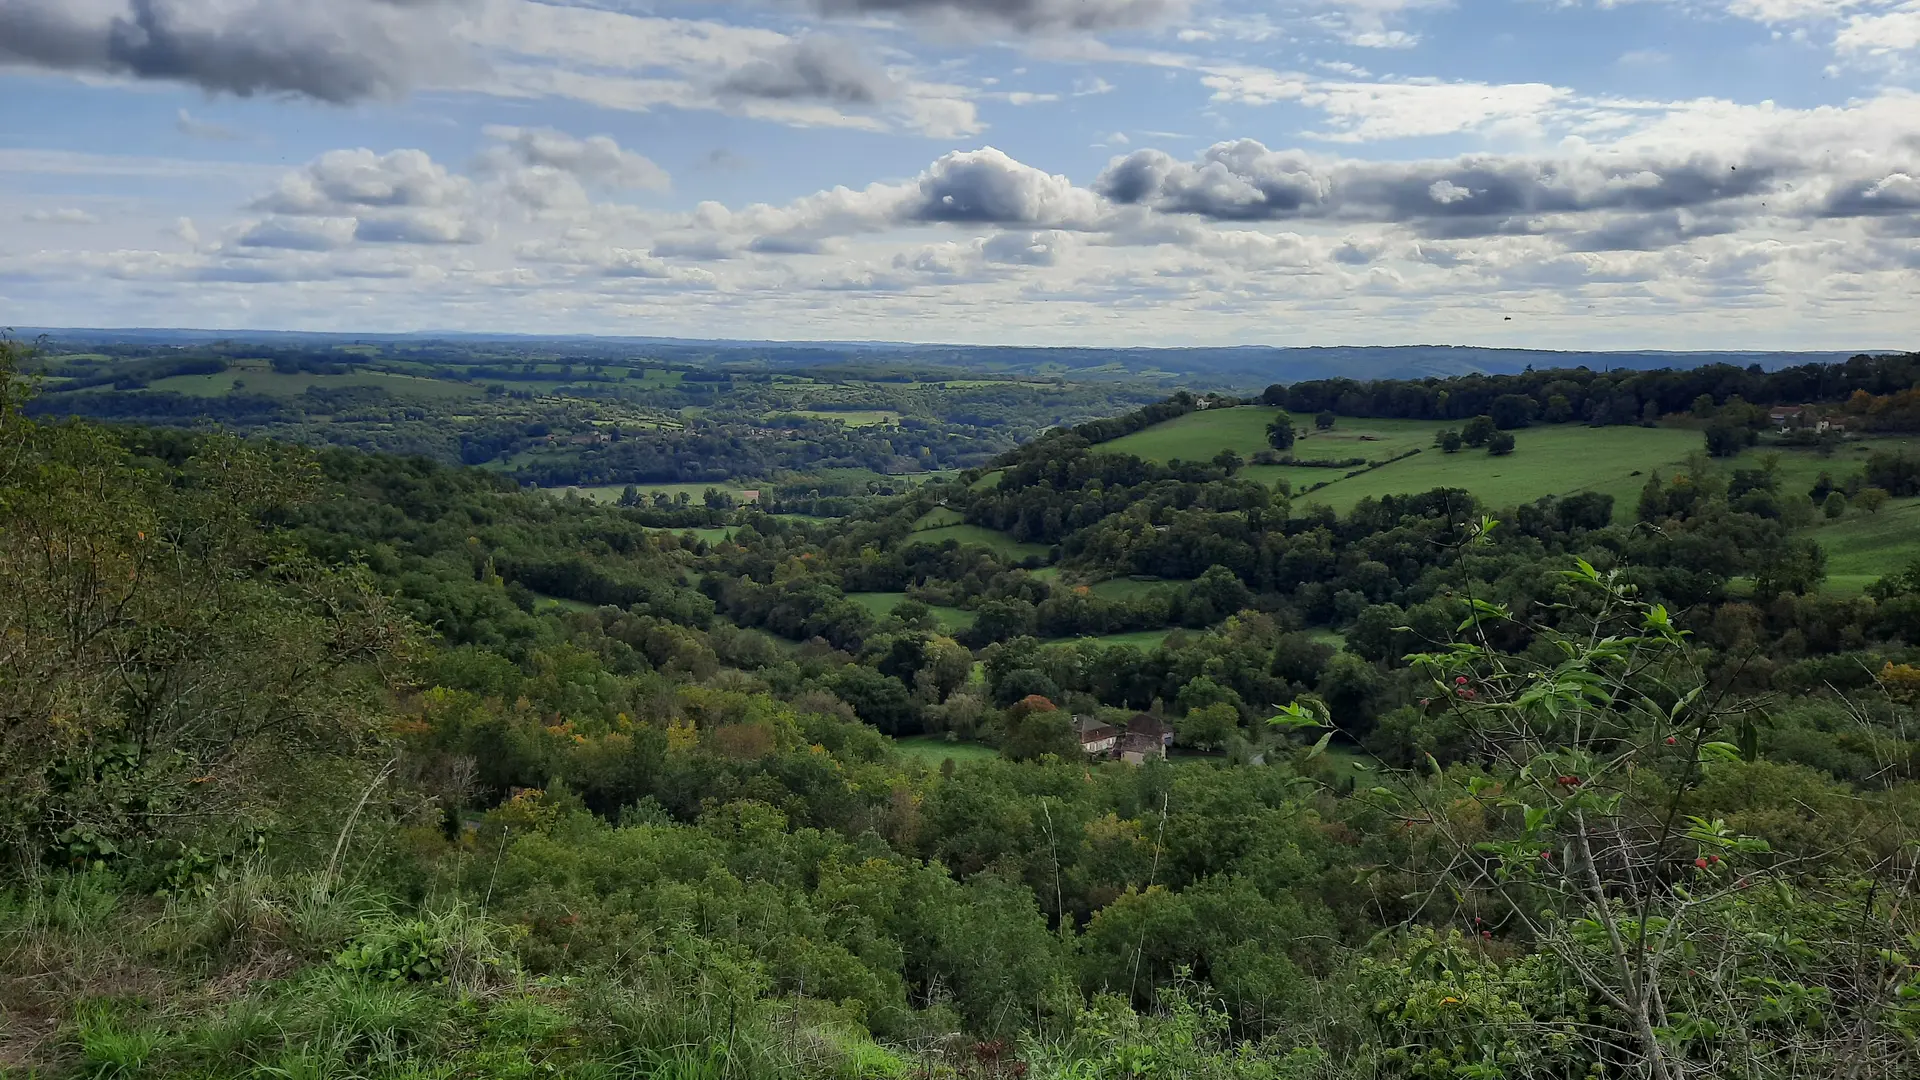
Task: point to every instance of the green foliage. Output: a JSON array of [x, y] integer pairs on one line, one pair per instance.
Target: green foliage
[[1610, 819], [1280, 434], [1478, 431]]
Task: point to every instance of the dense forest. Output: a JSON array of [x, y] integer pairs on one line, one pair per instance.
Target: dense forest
[[558, 420], [1879, 389], [329, 763]]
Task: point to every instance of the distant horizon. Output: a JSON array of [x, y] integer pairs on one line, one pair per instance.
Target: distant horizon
[[27, 332]]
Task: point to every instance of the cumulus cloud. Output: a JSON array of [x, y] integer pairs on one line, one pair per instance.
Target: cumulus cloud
[[964, 187], [421, 226], [1466, 196], [596, 158], [403, 197], [1885, 36], [816, 68], [300, 234], [345, 182], [1026, 248], [986, 186], [548, 169], [336, 51]]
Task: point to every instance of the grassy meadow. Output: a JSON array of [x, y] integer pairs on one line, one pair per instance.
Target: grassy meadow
[[881, 604], [1561, 459], [931, 750], [1863, 548], [974, 534], [1144, 640]]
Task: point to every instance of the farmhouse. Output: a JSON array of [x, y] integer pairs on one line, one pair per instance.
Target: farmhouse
[[1096, 737], [1803, 417], [1147, 736]]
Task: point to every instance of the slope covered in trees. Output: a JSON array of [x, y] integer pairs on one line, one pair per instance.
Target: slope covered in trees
[[351, 765]]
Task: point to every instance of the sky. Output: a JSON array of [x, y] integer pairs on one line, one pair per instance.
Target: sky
[[1583, 174]]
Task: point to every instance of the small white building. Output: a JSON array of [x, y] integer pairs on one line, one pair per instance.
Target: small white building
[[1096, 738]]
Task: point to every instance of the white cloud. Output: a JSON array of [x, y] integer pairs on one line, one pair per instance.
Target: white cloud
[[1881, 36], [62, 216], [639, 63], [344, 182]]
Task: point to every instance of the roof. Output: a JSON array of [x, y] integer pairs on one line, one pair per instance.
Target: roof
[[1146, 724], [1092, 727]]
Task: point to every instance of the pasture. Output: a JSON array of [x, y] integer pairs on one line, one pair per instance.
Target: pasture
[[1863, 548], [931, 750], [1144, 640], [1130, 589], [853, 418], [938, 518], [610, 493], [881, 604], [997, 542], [1562, 459]]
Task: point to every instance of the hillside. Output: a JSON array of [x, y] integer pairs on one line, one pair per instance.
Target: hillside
[[1550, 461], [342, 764]]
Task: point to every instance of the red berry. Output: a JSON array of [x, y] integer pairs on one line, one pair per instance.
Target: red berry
[[1460, 680], [1569, 781], [1671, 741], [1488, 934], [1700, 863], [1546, 854]]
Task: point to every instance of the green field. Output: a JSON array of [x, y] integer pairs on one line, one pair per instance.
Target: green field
[[711, 535], [1129, 589], [1144, 640], [543, 602], [1200, 435], [696, 492], [987, 481], [1862, 548], [1796, 470], [931, 750], [852, 417], [952, 619], [998, 542], [938, 517], [1561, 459], [274, 384]]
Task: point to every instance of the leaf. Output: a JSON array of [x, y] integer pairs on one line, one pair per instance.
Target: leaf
[[1295, 716], [1719, 751], [1321, 746]]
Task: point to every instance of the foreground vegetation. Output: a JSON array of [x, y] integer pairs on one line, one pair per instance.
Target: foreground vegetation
[[308, 774]]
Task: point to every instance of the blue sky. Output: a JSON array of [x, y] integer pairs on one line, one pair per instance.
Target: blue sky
[[1559, 173]]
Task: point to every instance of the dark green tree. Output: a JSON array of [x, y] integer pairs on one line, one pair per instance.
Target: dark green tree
[[1280, 433], [1477, 431]]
